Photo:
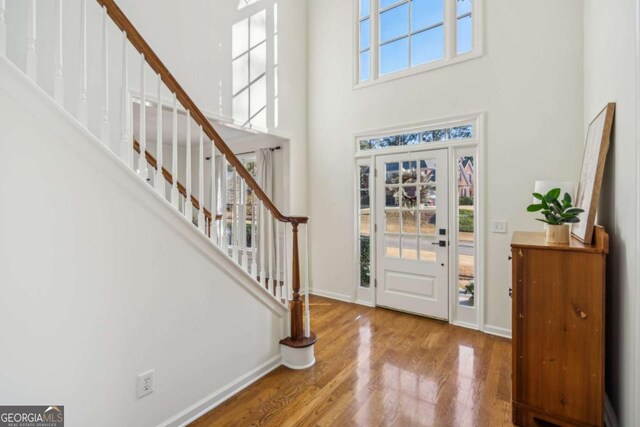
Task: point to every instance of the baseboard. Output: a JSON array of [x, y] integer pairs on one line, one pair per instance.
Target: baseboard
[[610, 417], [216, 398], [365, 303], [332, 295], [497, 331]]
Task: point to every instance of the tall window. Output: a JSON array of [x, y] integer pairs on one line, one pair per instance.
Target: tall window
[[412, 33]]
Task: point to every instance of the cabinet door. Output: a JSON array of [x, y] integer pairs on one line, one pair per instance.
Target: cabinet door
[[560, 341]]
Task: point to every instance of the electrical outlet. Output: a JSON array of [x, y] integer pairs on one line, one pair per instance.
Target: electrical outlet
[[498, 226], [146, 381]]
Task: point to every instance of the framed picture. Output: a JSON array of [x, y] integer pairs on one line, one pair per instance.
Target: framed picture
[[595, 154]]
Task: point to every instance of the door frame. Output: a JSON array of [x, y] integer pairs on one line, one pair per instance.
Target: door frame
[[367, 296]]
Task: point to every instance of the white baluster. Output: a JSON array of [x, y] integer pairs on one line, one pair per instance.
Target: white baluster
[[58, 80], [32, 55], [159, 178], [272, 285], [214, 200], [142, 160], [234, 217], [125, 141], [3, 28], [278, 255], [188, 207], [307, 314], [243, 225], [254, 248], [224, 237], [83, 109], [261, 229], [104, 128], [201, 225], [175, 196]]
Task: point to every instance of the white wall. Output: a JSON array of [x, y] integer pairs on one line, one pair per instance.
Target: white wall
[[103, 280], [610, 74], [529, 83], [195, 40]]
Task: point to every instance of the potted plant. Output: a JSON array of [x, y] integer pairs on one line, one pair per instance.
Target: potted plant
[[558, 214]]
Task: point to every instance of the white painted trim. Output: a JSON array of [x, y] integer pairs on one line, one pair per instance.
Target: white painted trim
[[28, 94], [331, 295], [365, 303], [464, 325], [497, 331], [610, 418], [636, 278], [216, 398]]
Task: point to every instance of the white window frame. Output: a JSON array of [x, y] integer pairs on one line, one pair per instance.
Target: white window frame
[[450, 42], [468, 317]]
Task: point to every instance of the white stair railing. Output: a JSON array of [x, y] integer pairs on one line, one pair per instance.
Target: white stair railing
[[239, 217]]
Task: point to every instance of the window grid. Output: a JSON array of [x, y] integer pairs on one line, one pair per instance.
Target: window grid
[[374, 62]]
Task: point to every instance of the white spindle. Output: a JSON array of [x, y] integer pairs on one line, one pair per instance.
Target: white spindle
[[142, 160], [261, 229], [278, 257], [214, 200], [307, 315], [159, 178], [225, 239], [104, 127], [32, 55], [3, 28], [175, 196], [58, 79], [243, 225], [272, 282], [188, 207], [125, 142], [254, 248], [83, 109], [234, 218], [201, 182]]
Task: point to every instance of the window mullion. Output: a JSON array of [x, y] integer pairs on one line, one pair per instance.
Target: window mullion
[[410, 30], [450, 24], [375, 39]]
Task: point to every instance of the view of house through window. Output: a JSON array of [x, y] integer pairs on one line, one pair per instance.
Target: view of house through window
[[466, 230], [410, 33], [364, 223]]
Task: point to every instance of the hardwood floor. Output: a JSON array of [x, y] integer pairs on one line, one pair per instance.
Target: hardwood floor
[[377, 367]]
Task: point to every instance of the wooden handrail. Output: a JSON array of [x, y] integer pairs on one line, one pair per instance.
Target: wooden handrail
[[169, 178], [138, 42]]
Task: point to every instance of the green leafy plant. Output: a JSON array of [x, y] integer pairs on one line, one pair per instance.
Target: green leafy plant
[[555, 212]]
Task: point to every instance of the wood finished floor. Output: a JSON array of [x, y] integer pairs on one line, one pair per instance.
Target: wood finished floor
[[377, 367]]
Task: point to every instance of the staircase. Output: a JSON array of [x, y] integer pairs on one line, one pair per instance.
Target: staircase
[[242, 222]]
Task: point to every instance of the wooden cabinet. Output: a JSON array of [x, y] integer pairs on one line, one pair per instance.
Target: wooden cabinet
[[558, 331]]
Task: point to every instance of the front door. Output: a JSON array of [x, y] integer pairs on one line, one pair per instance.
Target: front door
[[412, 232]]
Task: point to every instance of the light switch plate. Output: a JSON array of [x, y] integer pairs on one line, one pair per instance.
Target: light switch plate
[[498, 226]]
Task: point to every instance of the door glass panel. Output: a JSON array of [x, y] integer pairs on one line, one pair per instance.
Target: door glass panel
[[409, 172], [428, 223], [466, 231], [409, 222], [427, 171], [392, 197], [427, 196], [391, 170], [409, 197], [364, 224], [409, 247], [392, 246], [427, 249], [364, 199], [392, 221]]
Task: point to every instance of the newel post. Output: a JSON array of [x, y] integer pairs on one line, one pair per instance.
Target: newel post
[[297, 349]]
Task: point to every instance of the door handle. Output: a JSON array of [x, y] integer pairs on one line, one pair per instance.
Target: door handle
[[441, 243]]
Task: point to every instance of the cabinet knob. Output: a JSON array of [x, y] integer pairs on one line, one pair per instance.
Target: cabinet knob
[[509, 258]]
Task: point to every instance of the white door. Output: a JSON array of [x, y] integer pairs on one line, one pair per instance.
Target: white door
[[412, 232]]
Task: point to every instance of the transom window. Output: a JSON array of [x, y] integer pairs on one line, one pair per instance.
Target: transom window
[[396, 35], [455, 133]]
